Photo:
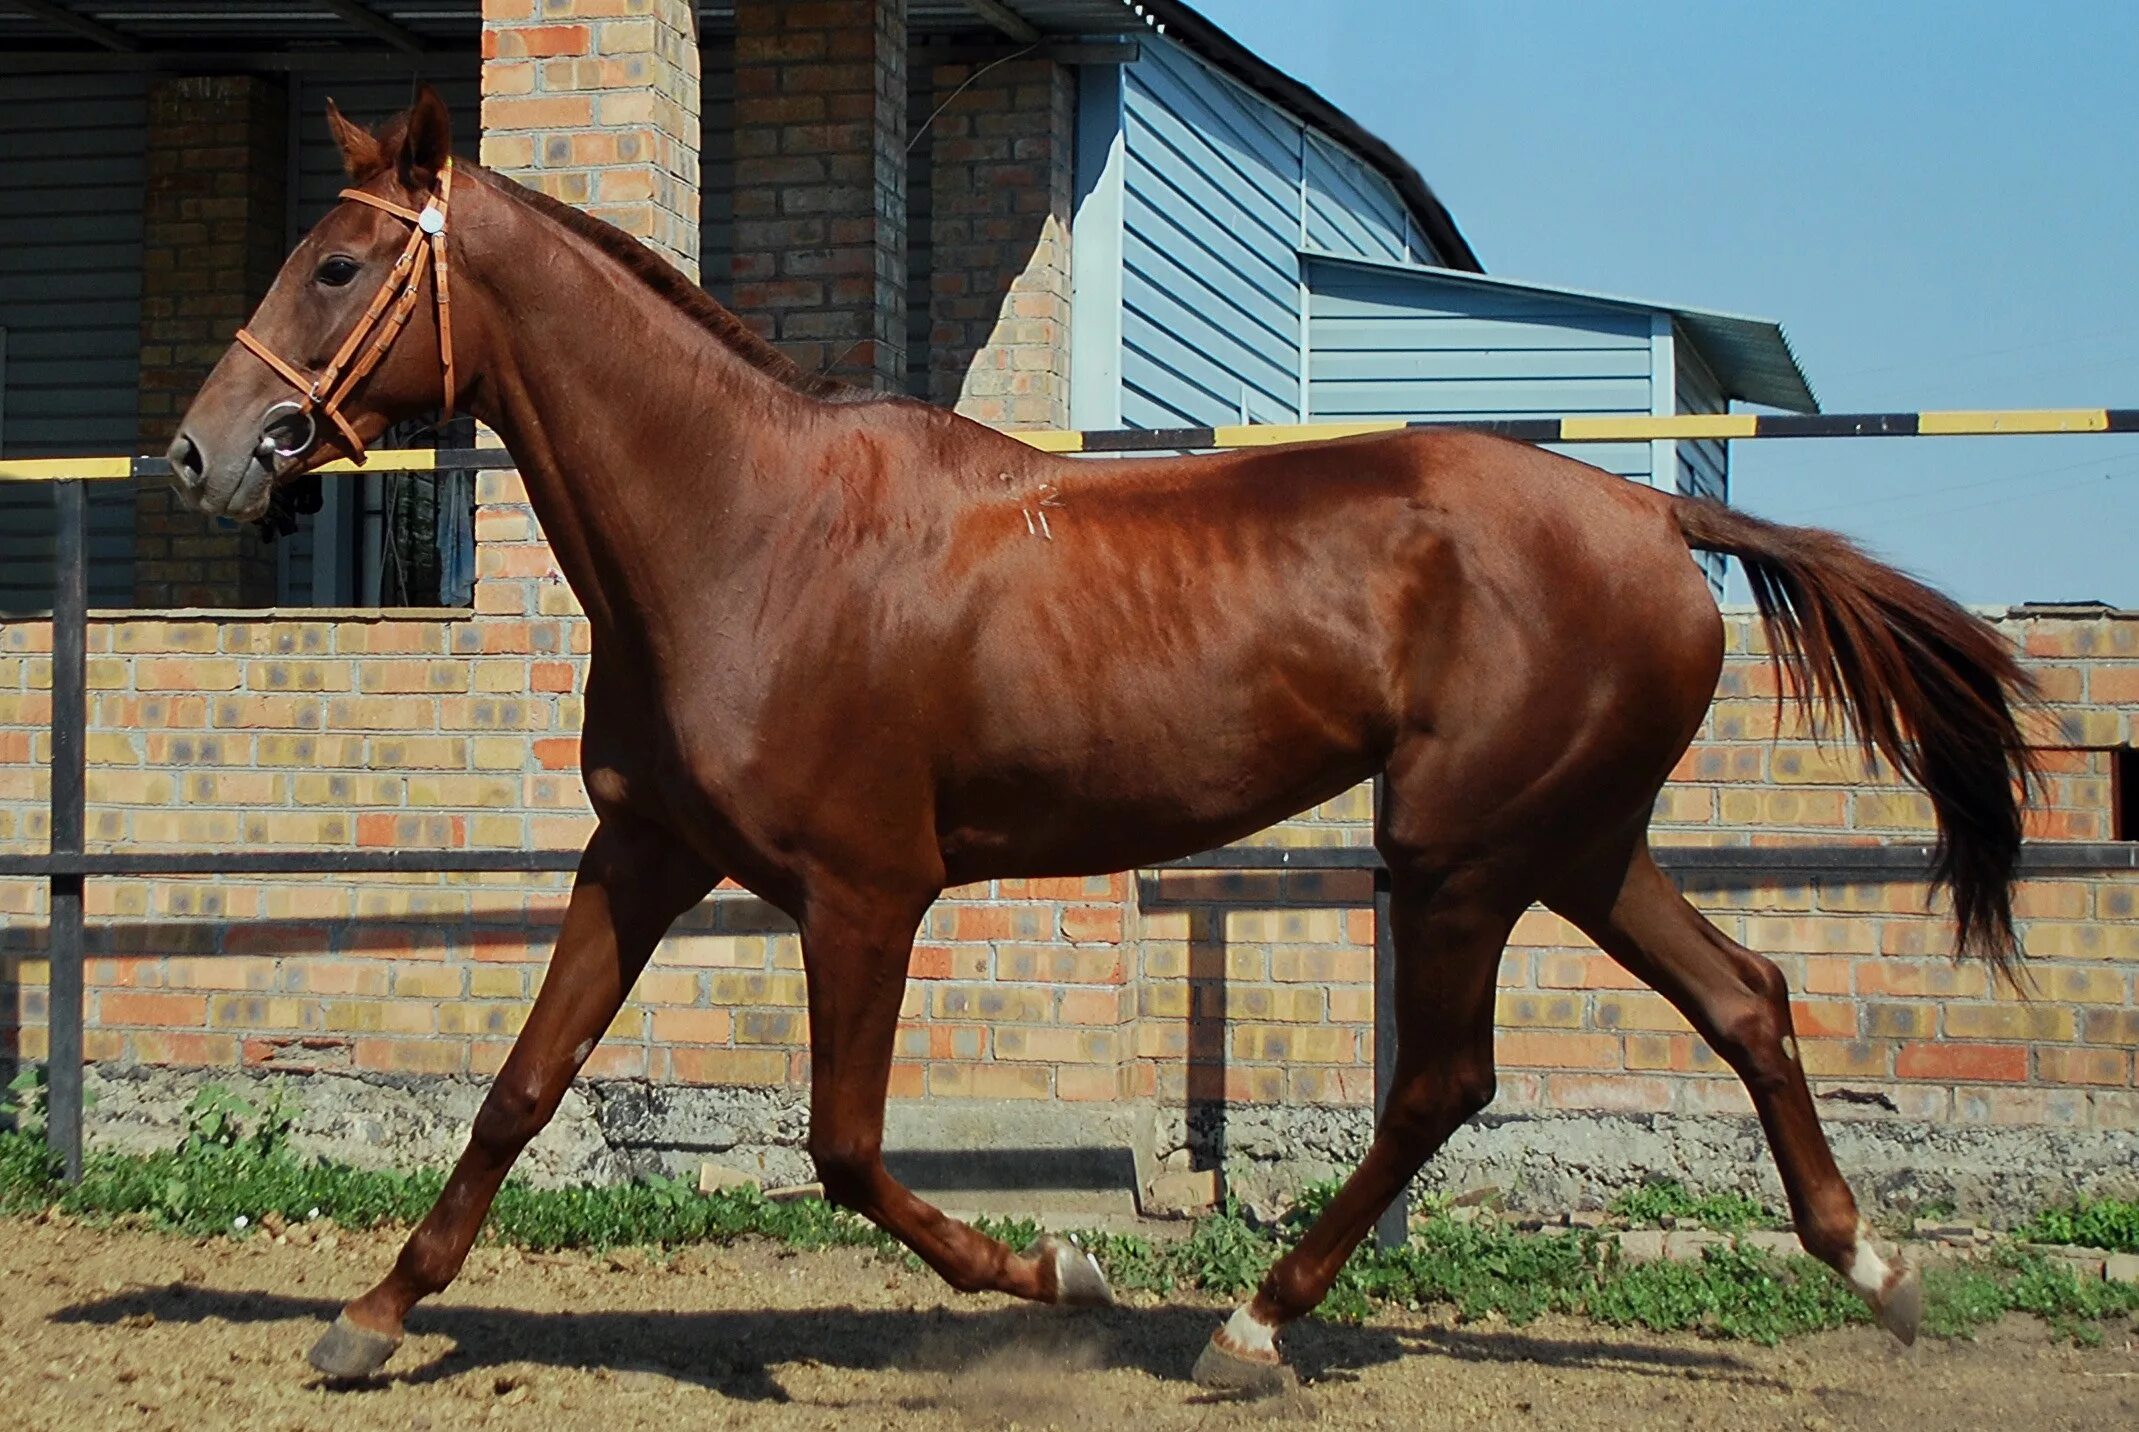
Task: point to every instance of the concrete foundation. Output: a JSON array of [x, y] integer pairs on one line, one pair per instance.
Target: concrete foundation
[[1002, 1156]]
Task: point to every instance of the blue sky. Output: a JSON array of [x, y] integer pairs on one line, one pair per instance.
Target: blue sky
[[1940, 202]]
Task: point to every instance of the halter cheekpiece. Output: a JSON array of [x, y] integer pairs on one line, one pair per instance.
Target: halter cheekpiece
[[391, 306]]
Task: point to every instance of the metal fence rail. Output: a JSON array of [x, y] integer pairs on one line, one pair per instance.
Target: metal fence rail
[[67, 863]]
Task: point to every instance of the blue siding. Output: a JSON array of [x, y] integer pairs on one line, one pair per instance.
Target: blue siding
[[1704, 466], [1221, 191], [1351, 210], [1210, 267], [1394, 344]]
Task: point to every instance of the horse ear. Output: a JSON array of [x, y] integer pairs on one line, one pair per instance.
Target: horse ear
[[361, 154], [427, 141]]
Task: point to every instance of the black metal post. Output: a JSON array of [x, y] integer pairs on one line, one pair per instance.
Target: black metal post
[[1394, 1227], [70, 720]]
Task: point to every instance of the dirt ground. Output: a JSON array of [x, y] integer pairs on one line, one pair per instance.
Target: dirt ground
[[110, 1329]]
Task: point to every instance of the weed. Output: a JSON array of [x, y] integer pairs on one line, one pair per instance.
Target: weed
[[2111, 1223], [1653, 1202]]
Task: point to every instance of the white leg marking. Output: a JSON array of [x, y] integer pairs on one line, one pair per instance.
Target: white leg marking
[[579, 1055], [1246, 1333], [1868, 1271], [1789, 1047]]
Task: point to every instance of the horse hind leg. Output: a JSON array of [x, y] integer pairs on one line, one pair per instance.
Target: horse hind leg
[[1740, 1003], [855, 952], [1449, 929]]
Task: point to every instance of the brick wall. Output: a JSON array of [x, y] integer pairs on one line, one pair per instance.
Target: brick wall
[[595, 103], [820, 183], [212, 241], [1183, 987], [1002, 151]]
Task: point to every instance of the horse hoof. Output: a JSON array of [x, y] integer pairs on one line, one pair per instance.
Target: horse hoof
[[1901, 1310], [1221, 1369], [1078, 1281], [347, 1350]]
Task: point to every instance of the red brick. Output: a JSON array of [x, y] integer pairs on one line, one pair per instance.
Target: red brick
[[1959, 1063]]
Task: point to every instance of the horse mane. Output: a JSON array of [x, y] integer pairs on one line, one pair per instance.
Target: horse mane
[[688, 298]]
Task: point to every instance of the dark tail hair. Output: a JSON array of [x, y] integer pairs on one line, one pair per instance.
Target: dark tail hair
[[1926, 684]]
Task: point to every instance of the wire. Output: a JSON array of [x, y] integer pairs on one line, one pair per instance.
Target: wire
[[971, 80], [1983, 353], [2026, 496], [2001, 479]]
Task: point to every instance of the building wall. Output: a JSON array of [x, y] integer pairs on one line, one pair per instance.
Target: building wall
[[1221, 191], [73, 173], [1395, 343], [1188, 989]]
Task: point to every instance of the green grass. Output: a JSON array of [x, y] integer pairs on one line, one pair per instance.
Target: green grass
[[1653, 1202], [226, 1171], [2111, 1223]]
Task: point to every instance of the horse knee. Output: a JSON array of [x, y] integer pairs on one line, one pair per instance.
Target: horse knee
[[512, 1113], [1436, 1104], [847, 1168]]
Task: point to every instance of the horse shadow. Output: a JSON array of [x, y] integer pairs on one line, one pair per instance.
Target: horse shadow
[[737, 1352]]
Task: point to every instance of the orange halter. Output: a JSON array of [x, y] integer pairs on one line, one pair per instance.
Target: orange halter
[[382, 321]]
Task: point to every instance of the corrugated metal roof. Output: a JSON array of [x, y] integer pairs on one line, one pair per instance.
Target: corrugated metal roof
[[1751, 357]]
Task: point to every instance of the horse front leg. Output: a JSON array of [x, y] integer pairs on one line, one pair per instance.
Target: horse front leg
[[632, 884], [855, 953]]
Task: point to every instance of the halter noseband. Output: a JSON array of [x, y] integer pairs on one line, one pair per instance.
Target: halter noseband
[[382, 323]]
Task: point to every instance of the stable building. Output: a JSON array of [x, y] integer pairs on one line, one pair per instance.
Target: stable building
[[1044, 213]]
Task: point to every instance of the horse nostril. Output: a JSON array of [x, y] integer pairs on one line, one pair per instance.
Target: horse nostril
[[186, 462]]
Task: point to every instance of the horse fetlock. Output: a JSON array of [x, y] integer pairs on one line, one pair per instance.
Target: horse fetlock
[[1893, 1292]]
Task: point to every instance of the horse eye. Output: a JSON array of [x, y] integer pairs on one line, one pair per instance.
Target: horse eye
[[337, 271]]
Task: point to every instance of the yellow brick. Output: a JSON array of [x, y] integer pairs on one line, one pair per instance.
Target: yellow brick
[[489, 981], [297, 676], [1282, 1044], [759, 989], [2011, 1021], [107, 787], [990, 1081], [497, 1021], [1058, 1046], [500, 753], [438, 982], [376, 1016], [248, 1011], [1538, 1011]]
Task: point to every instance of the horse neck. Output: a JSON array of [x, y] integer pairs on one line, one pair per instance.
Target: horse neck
[[635, 429]]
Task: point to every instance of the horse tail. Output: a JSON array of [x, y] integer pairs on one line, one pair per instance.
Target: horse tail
[[1927, 685]]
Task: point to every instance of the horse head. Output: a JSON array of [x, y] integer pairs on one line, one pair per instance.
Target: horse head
[[344, 345]]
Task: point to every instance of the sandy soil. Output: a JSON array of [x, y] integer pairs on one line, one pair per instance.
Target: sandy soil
[[109, 1329]]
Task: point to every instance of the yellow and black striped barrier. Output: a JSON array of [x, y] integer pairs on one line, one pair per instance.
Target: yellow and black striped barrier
[[1712, 427], [1718, 427]]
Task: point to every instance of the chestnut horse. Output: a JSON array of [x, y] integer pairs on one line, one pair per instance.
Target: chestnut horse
[[836, 659]]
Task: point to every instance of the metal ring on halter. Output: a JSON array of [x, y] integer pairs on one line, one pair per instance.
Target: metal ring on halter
[[287, 451]]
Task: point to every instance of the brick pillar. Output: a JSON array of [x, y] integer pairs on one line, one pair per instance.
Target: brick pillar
[[212, 241], [595, 102], [820, 183], [1003, 156]]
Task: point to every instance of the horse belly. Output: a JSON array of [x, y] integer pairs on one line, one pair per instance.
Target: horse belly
[[1122, 777]]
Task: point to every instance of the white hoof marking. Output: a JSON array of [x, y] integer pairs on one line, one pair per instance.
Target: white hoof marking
[[1246, 1333], [1868, 1272]]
